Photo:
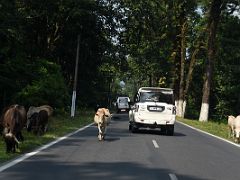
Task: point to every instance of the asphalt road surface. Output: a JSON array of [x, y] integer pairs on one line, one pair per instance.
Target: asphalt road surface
[[146, 155]]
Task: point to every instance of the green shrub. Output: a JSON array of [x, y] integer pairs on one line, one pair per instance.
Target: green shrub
[[48, 87]]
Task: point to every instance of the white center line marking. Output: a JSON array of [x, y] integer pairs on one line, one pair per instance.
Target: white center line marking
[[173, 177], [155, 144]]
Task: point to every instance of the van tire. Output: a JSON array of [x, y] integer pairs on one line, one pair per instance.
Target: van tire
[[170, 130], [130, 127], [134, 129]]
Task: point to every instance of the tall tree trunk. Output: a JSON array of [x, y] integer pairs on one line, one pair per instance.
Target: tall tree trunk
[[189, 76], [213, 19], [182, 69]]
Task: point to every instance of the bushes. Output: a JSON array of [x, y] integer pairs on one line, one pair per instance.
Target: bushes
[[46, 87]]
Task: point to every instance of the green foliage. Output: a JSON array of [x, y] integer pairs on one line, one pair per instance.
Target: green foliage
[[227, 82], [138, 41], [35, 31], [147, 40], [48, 88]]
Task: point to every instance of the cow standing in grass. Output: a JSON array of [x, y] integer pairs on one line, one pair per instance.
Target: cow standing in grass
[[231, 126], [33, 109], [101, 119], [37, 118], [38, 122], [237, 129], [13, 121]]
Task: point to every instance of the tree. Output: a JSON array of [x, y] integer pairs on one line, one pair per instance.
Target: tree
[[213, 20], [226, 99], [46, 31]]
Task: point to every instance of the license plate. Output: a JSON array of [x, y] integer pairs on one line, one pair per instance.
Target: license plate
[[155, 108]]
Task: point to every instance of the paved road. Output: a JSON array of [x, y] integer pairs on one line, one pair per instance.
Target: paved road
[[146, 155]]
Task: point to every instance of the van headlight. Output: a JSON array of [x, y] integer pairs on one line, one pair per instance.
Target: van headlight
[[142, 108]]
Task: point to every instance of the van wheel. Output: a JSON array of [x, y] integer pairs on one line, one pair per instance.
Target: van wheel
[[170, 130], [163, 129], [134, 129], [130, 127]]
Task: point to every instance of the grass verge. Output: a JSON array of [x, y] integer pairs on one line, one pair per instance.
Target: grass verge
[[59, 125], [219, 129]]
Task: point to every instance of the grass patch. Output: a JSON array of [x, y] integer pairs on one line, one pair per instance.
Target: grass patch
[[219, 129], [59, 125]]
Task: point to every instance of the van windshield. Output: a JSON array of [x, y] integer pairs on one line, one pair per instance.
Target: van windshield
[[123, 100], [156, 97]]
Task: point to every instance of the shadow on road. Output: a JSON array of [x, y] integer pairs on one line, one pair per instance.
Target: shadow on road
[[93, 170], [157, 132]]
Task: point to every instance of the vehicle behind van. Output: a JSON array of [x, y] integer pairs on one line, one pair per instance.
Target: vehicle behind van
[[123, 104]]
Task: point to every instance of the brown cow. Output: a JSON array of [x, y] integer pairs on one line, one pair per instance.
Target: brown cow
[[13, 120], [38, 122], [33, 109]]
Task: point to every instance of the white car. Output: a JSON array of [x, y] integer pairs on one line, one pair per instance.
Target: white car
[[153, 108], [123, 104]]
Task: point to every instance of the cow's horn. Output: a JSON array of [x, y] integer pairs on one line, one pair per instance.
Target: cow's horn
[[16, 139]]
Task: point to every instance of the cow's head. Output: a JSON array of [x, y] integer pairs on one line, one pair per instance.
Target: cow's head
[[10, 140], [106, 112], [100, 115], [237, 135], [231, 118]]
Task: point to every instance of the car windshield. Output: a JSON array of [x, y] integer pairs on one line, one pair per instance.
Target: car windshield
[[123, 100], [156, 97]]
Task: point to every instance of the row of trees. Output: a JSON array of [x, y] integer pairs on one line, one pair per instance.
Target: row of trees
[[38, 41], [184, 45], [191, 46]]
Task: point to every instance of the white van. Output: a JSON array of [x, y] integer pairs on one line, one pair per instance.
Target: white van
[[153, 108], [122, 104]]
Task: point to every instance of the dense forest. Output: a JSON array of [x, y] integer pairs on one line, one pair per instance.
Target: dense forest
[[190, 46]]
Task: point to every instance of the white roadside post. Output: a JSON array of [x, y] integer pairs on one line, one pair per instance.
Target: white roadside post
[[74, 96]]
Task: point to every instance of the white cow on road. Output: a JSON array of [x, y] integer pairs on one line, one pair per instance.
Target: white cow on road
[[101, 119]]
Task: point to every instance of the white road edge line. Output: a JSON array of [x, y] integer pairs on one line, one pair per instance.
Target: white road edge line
[[27, 155], [238, 145], [173, 176], [155, 144]]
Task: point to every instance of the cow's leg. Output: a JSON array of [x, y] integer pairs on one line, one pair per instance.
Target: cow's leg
[[229, 132], [45, 128], [9, 138], [19, 136], [103, 131], [8, 146], [14, 146], [99, 132]]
